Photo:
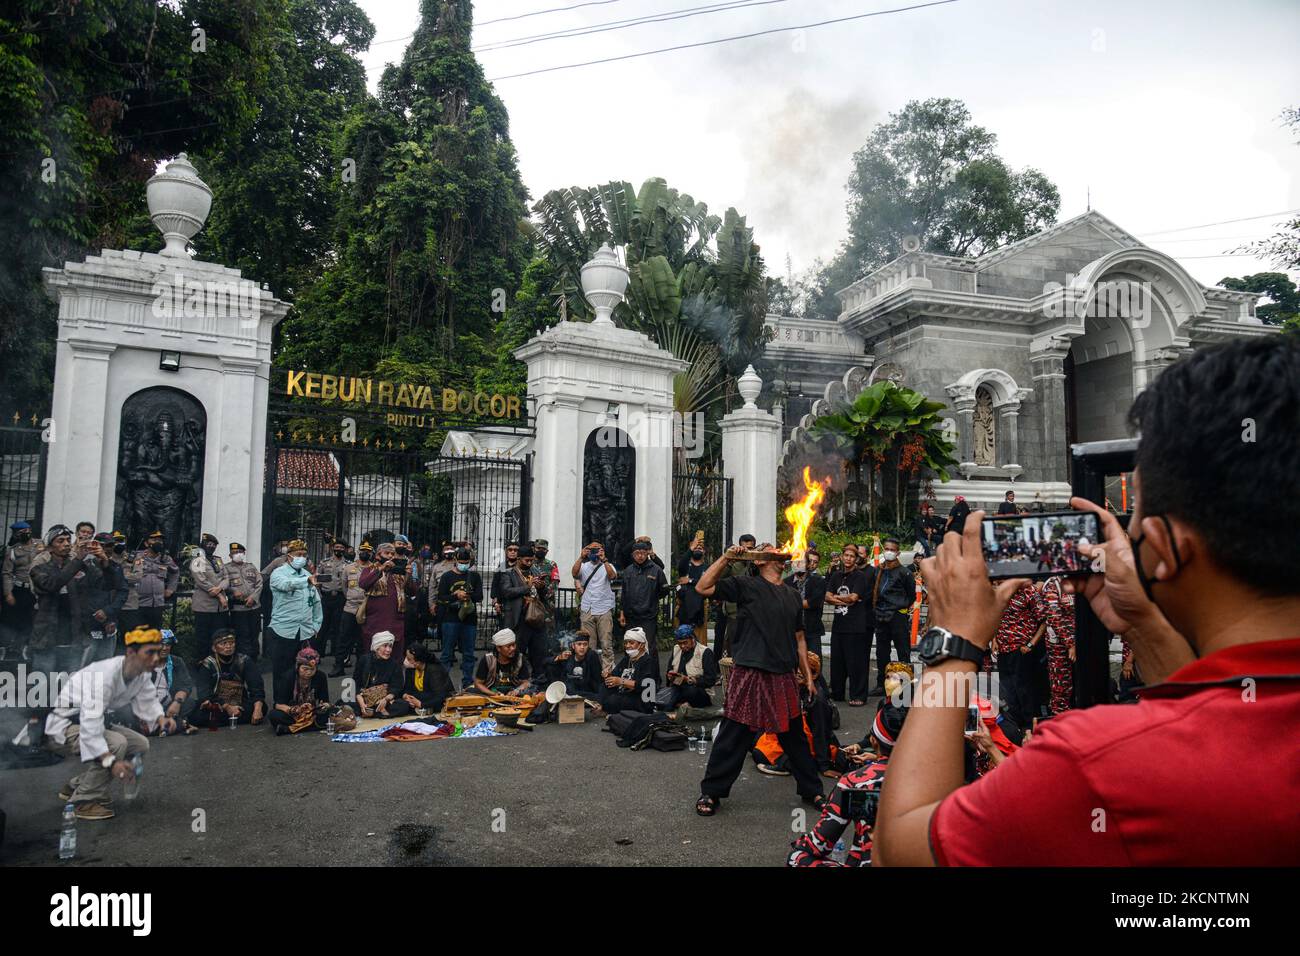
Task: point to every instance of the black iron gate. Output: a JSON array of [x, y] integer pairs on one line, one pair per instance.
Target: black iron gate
[[701, 502], [23, 456], [356, 492]]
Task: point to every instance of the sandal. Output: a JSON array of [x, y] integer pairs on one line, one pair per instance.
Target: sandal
[[706, 806]]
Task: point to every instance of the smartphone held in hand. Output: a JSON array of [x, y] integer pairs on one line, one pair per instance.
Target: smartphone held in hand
[[1039, 546]]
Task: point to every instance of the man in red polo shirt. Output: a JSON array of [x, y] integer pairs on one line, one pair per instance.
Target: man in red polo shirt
[[1205, 769]]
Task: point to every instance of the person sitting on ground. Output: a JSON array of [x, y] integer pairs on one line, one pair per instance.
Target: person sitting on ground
[[76, 726], [582, 667], [692, 670], [854, 799], [503, 670], [635, 673], [379, 680], [581, 670], [227, 684], [174, 683], [308, 705], [427, 683]]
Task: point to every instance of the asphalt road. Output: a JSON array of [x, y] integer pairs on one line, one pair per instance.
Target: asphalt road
[[561, 794]]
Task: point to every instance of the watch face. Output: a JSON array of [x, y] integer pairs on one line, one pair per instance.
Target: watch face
[[932, 643]]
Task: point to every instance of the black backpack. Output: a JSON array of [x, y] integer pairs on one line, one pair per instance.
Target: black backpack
[[636, 726], [666, 737]]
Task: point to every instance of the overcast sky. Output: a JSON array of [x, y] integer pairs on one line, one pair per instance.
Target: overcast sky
[[1166, 110]]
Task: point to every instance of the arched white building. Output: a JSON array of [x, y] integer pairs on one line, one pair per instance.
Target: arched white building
[[1033, 347]]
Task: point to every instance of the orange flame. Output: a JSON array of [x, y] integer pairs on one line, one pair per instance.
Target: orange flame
[[801, 515]]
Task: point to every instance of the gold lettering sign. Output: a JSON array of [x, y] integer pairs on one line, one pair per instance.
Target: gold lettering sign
[[329, 387]]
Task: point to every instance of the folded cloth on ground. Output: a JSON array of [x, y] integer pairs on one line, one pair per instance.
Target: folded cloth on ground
[[399, 731], [418, 731]]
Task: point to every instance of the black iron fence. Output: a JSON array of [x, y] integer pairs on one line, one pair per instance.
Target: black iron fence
[[354, 494], [22, 478], [702, 501]]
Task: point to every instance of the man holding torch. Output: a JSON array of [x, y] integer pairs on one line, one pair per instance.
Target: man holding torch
[[770, 661]]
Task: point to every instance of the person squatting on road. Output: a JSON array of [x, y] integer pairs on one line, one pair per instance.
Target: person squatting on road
[[76, 727]]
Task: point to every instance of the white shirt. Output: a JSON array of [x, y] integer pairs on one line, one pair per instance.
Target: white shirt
[[94, 691], [598, 595]]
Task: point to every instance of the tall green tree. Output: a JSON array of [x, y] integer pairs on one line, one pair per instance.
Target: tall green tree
[[697, 282], [928, 171], [273, 201], [94, 94], [1283, 305], [430, 234]]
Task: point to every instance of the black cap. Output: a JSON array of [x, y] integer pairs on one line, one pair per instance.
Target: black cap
[[463, 554]]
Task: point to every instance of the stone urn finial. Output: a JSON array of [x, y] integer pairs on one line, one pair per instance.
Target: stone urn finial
[[749, 385], [604, 281], [179, 202]]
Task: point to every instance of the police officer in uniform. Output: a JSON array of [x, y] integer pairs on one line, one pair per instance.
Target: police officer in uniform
[[19, 601], [349, 630], [152, 577], [208, 600], [243, 584], [102, 601], [331, 581]]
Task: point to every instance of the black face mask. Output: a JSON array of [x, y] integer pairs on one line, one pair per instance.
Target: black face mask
[[338, 554], [156, 547], [24, 536], [697, 555], [1145, 581], [119, 548]]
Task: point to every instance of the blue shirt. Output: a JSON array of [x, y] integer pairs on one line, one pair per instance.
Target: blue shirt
[[295, 606]]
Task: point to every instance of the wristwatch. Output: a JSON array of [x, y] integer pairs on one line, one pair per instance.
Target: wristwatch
[[940, 644]]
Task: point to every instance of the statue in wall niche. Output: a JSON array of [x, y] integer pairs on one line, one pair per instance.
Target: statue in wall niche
[[160, 467], [984, 428], [608, 494]]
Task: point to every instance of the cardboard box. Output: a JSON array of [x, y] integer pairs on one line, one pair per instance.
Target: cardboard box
[[573, 710]]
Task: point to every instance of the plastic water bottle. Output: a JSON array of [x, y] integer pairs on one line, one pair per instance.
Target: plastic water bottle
[[132, 787], [234, 721], [841, 851], [692, 742], [329, 725], [68, 835]]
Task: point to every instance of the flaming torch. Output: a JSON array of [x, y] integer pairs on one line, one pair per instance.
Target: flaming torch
[[800, 515]]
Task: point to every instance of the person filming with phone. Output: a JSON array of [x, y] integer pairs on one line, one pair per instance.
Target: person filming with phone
[[1214, 623]]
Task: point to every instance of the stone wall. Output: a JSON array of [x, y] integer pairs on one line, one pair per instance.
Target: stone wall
[[1103, 392]]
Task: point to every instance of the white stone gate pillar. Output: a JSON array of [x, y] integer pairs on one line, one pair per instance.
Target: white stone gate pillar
[[584, 376], [129, 321], [751, 446]]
